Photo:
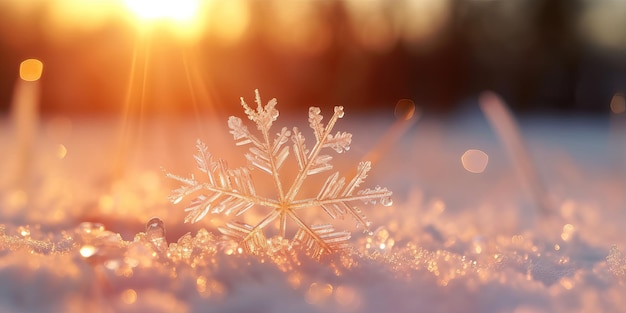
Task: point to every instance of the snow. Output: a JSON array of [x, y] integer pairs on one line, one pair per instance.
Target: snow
[[453, 241]]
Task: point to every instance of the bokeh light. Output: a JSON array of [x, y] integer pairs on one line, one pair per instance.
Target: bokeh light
[[405, 109], [298, 27], [618, 103], [318, 293], [603, 24], [61, 151], [229, 20], [475, 161], [129, 296], [31, 69]]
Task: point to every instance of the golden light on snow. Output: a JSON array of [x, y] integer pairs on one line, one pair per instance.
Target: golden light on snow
[[87, 251], [295, 279], [567, 283], [568, 231], [31, 69], [201, 284], [618, 103], [24, 231], [416, 246], [475, 161], [348, 298]]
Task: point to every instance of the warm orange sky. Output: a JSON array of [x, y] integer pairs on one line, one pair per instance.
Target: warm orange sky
[[100, 55]]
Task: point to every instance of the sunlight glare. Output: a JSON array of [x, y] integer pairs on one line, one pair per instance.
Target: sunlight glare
[[183, 18], [178, 10]]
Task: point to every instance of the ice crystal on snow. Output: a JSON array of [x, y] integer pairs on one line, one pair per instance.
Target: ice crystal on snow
[[616, 261], [232, 192]]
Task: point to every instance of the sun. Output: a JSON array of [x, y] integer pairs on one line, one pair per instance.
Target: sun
[[183, 18], [174, 10]]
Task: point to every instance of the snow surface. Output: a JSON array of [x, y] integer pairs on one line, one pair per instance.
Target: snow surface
[[453, 241]]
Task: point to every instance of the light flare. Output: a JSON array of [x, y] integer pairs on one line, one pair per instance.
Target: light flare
[[179, 10], [183, 18]]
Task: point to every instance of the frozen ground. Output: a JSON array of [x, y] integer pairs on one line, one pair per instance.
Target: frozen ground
[[74, 236]]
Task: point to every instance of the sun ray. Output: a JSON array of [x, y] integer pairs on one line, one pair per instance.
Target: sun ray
[[193, 92], [133, 108]]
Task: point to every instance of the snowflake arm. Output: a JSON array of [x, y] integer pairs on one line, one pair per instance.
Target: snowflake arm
[[321, 239], [335, 197], [229, 190], [252, 240], [264, 154], [320, 164], [313, 160]]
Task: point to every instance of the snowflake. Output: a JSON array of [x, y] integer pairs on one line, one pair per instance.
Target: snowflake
[[232, 192]]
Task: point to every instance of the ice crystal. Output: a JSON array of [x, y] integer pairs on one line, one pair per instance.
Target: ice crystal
[[616, 261], [232, 192]]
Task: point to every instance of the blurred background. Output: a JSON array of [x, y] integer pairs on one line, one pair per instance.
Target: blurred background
[[185, 56]]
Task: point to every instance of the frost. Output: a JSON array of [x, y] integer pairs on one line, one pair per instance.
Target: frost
[[616, 261], [232, 192]]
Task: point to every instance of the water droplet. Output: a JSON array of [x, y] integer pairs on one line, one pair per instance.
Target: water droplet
[[155, 232], [94, 229], [386, 201]]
